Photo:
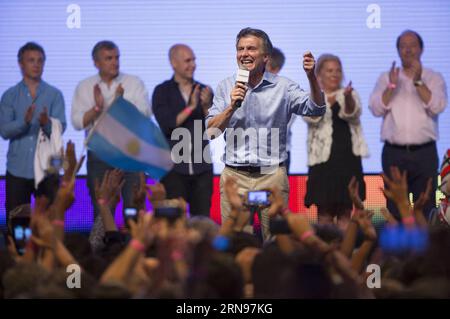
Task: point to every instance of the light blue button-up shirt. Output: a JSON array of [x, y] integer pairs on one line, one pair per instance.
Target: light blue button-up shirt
[[256, 133], [22, 136]]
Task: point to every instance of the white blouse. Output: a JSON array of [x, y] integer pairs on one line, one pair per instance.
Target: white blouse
[[320, 130]]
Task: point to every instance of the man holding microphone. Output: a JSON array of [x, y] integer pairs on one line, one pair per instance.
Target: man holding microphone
[[255, 117]]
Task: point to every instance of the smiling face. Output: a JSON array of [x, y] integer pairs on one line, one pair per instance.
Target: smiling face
[[183, 62], [330, 75], [250, 54], [409, 49], [32, 64]]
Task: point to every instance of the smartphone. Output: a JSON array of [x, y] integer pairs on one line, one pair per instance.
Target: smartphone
[[258, 198], [55, 163], [130, 213], [21, 232], [279, 226], [170, 213]]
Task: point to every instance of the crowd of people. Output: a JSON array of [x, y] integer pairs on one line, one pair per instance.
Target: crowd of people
[[164, 254]]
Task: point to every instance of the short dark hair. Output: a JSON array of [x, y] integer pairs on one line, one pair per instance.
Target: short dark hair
[[105, 44], [419, 38], [267, 44], [29, 46], [277, 59]]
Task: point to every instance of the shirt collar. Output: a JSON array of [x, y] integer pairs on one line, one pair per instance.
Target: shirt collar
[[118, 78], [267, 79], [40, 86]]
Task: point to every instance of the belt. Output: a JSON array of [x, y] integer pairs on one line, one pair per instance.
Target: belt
[[411, 147], [252, 169]]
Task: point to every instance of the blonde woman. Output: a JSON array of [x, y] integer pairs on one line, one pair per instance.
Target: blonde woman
[[335, 146]]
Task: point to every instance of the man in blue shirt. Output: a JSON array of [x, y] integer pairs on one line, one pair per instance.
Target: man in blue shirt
[[24, 109], [256, 127]]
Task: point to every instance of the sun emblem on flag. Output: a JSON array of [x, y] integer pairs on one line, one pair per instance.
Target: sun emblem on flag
[[133, 147]]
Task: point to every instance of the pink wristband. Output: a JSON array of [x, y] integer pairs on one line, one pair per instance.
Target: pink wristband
[[306, 235], [285, 211], [177, 255], [408, 220], [102, 201], [392, 86], [187, 110], [58, 222], [96, 109], [137, 245]]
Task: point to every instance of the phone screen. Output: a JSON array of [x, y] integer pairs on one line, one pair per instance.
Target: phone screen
[[130, 212], [21, 236], [258, 198]]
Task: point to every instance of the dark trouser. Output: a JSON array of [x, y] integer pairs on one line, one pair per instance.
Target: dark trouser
[[288, 162], [420, 163], [195, 189], [18, 192], [96, 169]]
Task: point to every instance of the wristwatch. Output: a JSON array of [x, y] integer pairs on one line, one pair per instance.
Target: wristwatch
[[418, 83]]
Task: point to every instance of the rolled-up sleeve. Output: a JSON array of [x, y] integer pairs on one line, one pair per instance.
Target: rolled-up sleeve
[[439, 100], [219, 103], [80, 105], [300, 102], [376, 105]]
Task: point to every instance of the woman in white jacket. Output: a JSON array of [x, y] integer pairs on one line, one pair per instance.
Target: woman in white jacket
[[335, 146]]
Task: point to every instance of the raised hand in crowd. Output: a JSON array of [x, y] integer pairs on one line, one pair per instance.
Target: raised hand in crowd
[[388, 217], [140, 193], [156, 193], [420, 203], [353, 190], [108, 196], [277, 204], [239, 214], [397, 191]]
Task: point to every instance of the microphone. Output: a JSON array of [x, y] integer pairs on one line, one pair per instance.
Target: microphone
[[241, 77]]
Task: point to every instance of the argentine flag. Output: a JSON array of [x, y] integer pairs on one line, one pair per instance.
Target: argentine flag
[[124, 138]]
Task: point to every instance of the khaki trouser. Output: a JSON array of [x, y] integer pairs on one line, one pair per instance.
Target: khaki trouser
[[254, 181]]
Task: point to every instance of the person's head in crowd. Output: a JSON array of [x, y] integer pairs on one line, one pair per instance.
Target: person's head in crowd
[[20, 212], [241, 240], [182, 60], [48, 188], [410, 47], [276, 61], [329, 72], [6, 262], [110, 291], [206, 227], [23, 278], [330, 233], [253, 49], [269, 272], [106, 59], [218, 277], [31, 58], [78, 245], [94, 265]]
